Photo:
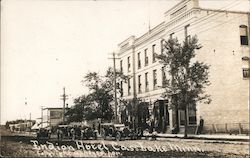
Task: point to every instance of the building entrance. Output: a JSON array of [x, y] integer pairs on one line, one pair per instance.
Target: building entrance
[[161, 116]]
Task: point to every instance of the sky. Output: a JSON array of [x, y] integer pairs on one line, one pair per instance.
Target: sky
[[50, 44]]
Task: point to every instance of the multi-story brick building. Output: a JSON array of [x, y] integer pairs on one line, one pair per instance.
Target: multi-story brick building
[[224, 35]]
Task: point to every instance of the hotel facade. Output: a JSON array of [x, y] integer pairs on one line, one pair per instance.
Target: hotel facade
[[224, 36]]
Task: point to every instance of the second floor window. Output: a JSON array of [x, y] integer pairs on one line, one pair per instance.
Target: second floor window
[[146, 82], [129, 64], [162, 45], [155, 79], [129, 87], [163, 70], [139, 60], [146, 57], [243, 35], [187, 36], [139, 84], [121, 88], [121, 68], [153, 53]]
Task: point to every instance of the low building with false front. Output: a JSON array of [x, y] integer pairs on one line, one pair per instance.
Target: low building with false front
[[53, 116], [224, 35]]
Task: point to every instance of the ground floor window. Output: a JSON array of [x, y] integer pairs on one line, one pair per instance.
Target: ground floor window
[[191, 116], [182, 117]]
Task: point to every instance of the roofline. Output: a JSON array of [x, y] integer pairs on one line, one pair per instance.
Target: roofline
[[151, 31], [175, 6], [132, 36]]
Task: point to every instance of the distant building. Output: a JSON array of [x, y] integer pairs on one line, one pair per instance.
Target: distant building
[[24, 125], [224, 36], [53, 116]]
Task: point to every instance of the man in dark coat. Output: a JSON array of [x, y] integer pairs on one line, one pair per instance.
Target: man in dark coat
[[200, 127]]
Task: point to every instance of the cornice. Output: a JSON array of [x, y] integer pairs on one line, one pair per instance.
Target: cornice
[[148, 36]]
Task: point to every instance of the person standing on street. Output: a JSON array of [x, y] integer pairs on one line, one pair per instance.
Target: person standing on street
[[200, 126]]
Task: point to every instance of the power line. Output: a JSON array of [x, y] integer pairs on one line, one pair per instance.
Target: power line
[[178, 29]]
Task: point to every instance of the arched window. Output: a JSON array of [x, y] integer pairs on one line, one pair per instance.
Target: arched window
[[243, 35]]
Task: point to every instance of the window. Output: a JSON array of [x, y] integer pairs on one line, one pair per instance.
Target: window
[[162, 45], [139, 84], [163, 70], [121, 88], [146, 57], [182, 117], [187, 36], [154, 79], [129, 87], [191, 116], [146, 82], [139, 60], [246, 73], [243, 35], [153, 52], [121, 69], [171, 35], [129, 64]]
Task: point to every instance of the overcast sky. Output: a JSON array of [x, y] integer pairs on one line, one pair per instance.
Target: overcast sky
[[49, 44]]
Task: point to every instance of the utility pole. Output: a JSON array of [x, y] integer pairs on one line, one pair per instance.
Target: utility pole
[[115, 89], [42, 116], [134, 102], [114, 58], [64, 98]]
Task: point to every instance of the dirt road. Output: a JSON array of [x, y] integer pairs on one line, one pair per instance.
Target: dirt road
[[13, 145]]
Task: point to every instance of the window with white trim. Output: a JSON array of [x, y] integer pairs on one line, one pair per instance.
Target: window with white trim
[[246, 72], [146, 82], [129, 87], [139, 84], [139, 60], [146, 57], [155, 79], [129, 64], [243, 35], [153, 53], [121, 68]]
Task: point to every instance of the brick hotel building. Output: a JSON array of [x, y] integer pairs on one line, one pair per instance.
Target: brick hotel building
[[224, 35]]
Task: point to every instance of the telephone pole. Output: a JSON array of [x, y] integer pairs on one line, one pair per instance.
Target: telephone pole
[[64, 98], [41, 116], [114, 58]]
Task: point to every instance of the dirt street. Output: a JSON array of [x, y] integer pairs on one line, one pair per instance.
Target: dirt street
[[16, 146], [25, 145]]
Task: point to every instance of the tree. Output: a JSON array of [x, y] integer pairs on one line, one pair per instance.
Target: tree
[[185, 88], [102, 91], [98, 103], [81, 110], [138, 110]]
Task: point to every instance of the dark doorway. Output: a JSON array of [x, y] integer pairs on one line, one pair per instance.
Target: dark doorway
[[161, 116]]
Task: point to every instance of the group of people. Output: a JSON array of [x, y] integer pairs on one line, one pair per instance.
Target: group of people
[[76, 131], [68, 132]]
